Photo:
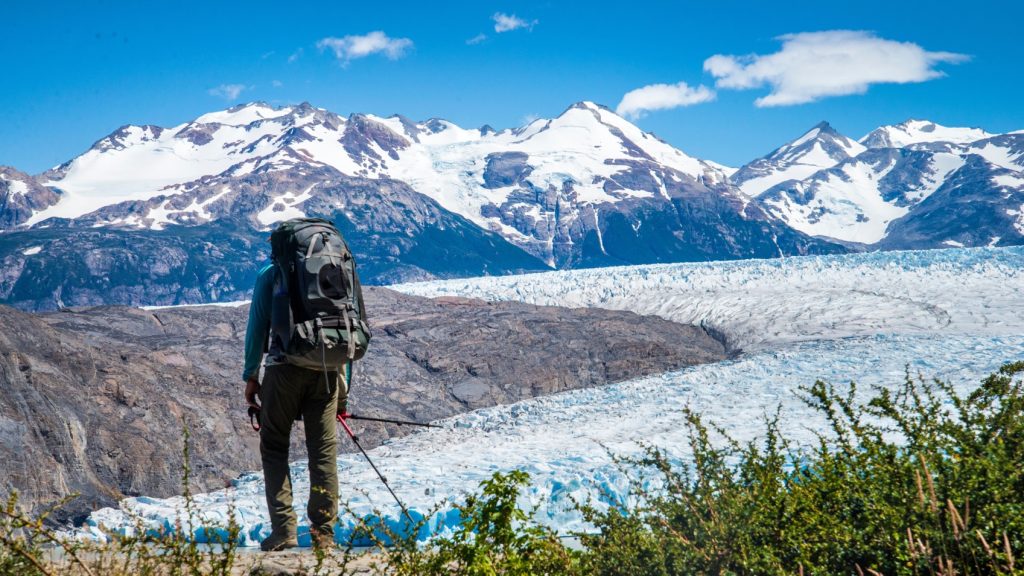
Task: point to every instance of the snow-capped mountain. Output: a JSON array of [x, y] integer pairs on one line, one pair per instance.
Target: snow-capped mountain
[[549, 187], [857, 199], [914, 133], [419, 199], [820, 147], [135, 215], [913, 185]]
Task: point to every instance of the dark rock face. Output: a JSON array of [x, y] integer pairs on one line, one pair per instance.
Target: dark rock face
[[20, 196], [92, 401], [691, 220], [911, 169], [693, 227], [965, 210], [361, 132], [200, 135], [506, 169], [97, 266]]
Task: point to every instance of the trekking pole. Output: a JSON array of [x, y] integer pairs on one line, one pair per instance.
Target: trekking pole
[[355, 440], [389, 421]]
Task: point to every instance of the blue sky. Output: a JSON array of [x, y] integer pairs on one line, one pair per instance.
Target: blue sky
[[75, 71]]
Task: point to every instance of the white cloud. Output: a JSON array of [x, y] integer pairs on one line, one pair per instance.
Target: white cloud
[[476, 39], [227, 91], [662, 97], [348, 48], [509, 22], [276, 83], [815, 65], [295, 55]]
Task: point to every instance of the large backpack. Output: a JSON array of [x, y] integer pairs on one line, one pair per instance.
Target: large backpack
[[317, 317]]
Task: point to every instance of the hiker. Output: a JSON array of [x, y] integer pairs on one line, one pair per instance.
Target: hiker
[[307, 315]]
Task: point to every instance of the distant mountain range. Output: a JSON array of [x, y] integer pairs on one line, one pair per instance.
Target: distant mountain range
[[152, 215], [912, 185]]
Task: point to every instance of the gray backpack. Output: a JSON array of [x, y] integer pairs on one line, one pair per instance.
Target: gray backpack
[[318, 320]]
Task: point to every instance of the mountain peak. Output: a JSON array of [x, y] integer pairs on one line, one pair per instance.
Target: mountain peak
[[819, 148], [588, 105], [823, 135], [245, 114], [919, 123], [917, 132]]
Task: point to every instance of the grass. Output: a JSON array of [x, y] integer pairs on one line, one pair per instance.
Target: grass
[[917, 481]]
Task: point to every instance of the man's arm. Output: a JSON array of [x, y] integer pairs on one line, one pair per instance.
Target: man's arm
[[257, 331]]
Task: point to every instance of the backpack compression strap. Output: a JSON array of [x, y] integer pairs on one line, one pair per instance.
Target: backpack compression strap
[[344, 322]]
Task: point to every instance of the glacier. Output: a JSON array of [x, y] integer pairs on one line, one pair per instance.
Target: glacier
[[869, 318], [763, 303]]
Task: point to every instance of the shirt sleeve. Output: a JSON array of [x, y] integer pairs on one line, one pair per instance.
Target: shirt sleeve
[[257, 331]]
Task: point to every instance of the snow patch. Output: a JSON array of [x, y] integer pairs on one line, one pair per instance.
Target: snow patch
[[1018, 223], [846, 206], [284, 207], [151, 167], [32, 251], [998, 155], [16, 187], [244, 115], [1009, 180]]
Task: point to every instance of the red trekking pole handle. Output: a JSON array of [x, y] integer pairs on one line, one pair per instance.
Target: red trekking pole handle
[[341, 420], [383, 479]]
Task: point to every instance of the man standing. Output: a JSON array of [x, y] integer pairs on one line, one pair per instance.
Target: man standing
[[307, 314]]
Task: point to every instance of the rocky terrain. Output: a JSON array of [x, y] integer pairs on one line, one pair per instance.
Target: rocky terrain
[[92, 401]]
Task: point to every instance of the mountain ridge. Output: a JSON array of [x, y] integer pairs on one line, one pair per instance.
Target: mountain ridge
[[861, 199], [430, 199], [419, 200]]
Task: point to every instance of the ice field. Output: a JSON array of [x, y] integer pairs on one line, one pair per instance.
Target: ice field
[[953, 314]]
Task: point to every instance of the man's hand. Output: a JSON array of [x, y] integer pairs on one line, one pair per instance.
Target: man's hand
[[252, 388]]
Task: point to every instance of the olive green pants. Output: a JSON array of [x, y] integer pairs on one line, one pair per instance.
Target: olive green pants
[[287, 393]]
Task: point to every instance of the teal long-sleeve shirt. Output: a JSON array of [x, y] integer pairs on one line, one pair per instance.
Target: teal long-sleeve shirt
[[258, 329]]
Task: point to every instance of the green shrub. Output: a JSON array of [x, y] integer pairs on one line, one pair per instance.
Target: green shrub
[[920, 481], [495, 537]]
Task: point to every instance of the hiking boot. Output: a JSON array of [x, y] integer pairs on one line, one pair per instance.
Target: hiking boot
[[276, 542], [322, 539]]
